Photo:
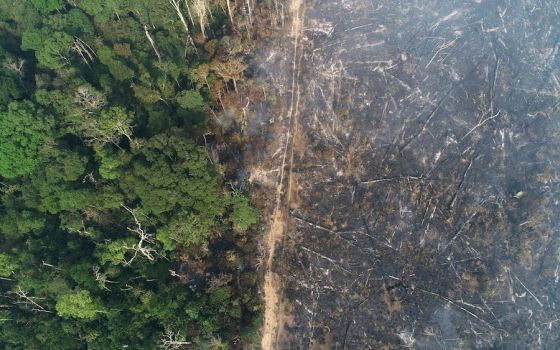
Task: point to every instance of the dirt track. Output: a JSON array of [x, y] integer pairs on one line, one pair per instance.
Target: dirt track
[[272, 286]]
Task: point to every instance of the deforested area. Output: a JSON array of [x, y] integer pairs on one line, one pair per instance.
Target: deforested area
[[408, 155]]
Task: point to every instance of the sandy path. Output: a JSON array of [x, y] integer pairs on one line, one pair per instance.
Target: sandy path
[[272, 288]]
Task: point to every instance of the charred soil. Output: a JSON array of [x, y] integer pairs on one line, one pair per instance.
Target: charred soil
[[408, 152]]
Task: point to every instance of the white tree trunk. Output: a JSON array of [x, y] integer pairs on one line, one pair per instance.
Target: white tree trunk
[[152, 42]]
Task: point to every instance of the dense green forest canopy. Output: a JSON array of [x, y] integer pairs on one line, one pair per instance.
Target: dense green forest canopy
[[117, 227]]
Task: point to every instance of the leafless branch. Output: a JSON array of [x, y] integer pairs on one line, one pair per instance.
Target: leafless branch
[[101, 278], [16, 66], [144, 238], [84, 50], [481, 123], [89, 99], [171, 340], [26, 299]]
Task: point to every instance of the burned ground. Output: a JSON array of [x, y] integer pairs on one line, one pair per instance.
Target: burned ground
[[425, 203]]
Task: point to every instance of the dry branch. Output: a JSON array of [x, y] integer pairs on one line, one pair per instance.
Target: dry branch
[[458, 306], [332, 261], [391, 178], [144, 238], [26, 299], [481, 123], [88, 99], [528, 290], [15, 66], [173, 341], [460, 187]]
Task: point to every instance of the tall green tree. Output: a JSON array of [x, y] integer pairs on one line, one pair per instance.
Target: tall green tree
[[24, 129], [46, 6], [78, 304], [52, 49]]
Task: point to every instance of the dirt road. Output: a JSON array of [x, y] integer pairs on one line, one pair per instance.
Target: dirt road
[[272, 288]]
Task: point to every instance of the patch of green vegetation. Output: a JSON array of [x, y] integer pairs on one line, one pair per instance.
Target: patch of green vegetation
[[112, 218]]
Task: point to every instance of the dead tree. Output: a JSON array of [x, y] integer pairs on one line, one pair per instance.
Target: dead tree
[[46, 264], [231, 70], [230, 11], [25, 299], [89, 178], [171, 340], [101, 278], [84, 50], [189, 12], [201, 11], [142, 247], [89, 99], [16, 66], [107, 128], [177, 6], [152, 42], [244, 120], [249, 11], [124, 130]]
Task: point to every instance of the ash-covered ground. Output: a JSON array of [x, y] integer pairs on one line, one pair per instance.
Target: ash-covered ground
[[424, 209]]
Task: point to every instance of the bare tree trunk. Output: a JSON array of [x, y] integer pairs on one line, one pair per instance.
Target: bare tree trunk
[[244, 121], [249, 11], [189, 11], [230, 13], [177, 7], [26, 299], [202, 13], [84, 50], [151, 40]]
